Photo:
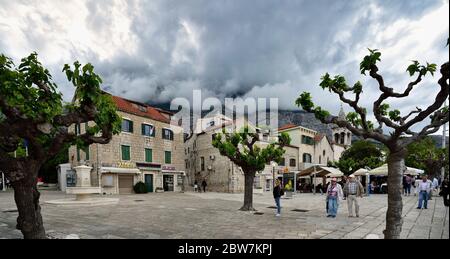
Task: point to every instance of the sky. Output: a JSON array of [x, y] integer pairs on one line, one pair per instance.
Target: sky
[[155, 51]]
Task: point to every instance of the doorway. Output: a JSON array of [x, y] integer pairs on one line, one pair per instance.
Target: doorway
[[168, 183], [149, 182]]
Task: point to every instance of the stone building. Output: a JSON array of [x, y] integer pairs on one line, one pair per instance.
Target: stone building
[[148, 149], [203, 161], [316, 147]]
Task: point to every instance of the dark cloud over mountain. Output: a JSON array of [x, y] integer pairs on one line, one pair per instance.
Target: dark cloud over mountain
[[159, 50]]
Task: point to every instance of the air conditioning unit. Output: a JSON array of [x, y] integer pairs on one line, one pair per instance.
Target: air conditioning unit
[[212, 157], [209, 167]]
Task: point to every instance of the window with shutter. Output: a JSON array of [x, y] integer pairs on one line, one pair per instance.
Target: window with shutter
[[148, 155], [168, 157], [126, 153]]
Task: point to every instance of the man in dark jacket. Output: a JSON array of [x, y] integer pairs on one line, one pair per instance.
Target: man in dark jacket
[[277, 193], [445, 191], [204, 185]]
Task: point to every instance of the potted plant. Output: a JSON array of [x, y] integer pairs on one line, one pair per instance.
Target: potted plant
[[140, 188]]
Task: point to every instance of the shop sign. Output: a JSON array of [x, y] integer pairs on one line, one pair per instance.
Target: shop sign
[[126, 165], [168, 168], [149, 165]]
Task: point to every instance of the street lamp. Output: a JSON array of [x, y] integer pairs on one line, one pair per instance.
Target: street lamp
[[274, 164]]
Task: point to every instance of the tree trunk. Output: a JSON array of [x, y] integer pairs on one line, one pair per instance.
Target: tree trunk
[[394, 220], [26, 195], [248, 191]]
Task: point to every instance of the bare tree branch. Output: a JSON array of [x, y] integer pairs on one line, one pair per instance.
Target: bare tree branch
[[439, 101]]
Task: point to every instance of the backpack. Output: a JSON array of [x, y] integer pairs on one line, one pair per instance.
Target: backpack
[[281, 191]]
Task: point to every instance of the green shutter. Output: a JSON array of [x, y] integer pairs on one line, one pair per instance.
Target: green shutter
[[125, 153], [148, 155], [87, 153], [131, 126], [78, 154], [143, 129], [168, 157]]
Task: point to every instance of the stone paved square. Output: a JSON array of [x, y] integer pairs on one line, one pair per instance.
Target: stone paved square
[[216, 216]]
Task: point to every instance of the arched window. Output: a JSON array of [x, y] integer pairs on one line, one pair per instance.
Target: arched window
[[323, 153], [306, 158], [320, 159], [349, 138], [336, 138], [342, 138]]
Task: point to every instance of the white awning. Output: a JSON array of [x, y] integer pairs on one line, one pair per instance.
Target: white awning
[[118, 170], [383, 171], [361, 172], [321, 171]]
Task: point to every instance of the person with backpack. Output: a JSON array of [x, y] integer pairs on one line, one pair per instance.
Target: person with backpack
[[277, 193]]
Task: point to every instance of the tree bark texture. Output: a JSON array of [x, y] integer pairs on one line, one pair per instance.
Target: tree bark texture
[[248, 191], [394, 219], [26, 196]]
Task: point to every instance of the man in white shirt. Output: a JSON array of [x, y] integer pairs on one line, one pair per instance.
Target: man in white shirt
[[435, 187], [424, 189]]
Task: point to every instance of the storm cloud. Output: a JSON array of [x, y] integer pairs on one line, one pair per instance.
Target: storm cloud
[[155, 51]]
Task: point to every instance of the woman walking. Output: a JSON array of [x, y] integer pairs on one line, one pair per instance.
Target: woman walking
[[334, 193]]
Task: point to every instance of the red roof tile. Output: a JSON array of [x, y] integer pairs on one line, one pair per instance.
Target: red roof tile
[[287, 126], [318, 137], [132, 107]]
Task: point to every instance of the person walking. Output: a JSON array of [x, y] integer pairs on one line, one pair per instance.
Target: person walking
[[416, 185], [445, 191], [354, 189], [204, 184], [434, 187], [334, 193], [342, 183], [423, 190], [195, 186], [408, 183], [277, 193]]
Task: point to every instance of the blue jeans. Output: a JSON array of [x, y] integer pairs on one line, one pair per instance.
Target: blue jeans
[[408, 189], [277, 202], [423, 198], [332, 206]]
